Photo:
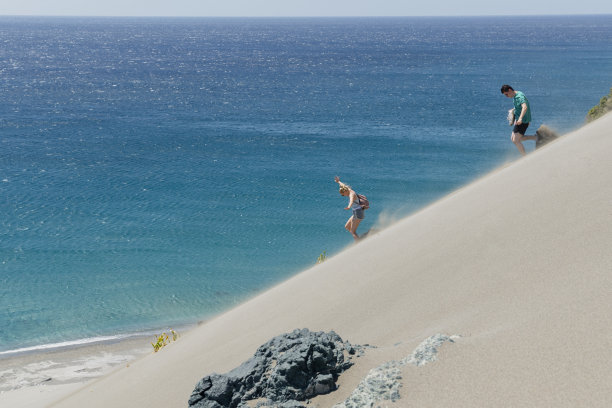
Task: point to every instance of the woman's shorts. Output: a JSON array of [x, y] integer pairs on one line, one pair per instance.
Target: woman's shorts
[[359, 214], [522, 128]]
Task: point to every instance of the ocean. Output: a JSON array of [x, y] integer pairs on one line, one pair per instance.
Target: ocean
[[155, 172]]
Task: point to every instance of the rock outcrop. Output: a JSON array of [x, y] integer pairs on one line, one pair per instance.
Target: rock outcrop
[[384, 382], [288, 369]]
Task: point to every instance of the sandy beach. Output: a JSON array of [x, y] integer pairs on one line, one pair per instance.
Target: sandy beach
[[33, 379], [515, 266]]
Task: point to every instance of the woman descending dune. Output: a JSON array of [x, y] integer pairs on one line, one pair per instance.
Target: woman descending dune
[[358, 203]]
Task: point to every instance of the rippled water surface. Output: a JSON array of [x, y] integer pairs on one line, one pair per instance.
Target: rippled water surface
[[157, 171]]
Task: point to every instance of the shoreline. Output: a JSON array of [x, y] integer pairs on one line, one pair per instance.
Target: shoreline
[[50, 371], [68, 365], [93, 341]]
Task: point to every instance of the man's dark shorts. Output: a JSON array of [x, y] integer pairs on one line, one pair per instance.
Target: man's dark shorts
[[522, 128]]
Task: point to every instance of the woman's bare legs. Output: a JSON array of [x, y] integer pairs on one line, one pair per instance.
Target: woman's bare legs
[[351, 226]]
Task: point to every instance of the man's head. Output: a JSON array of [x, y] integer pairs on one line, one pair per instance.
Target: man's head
[[508, 91]]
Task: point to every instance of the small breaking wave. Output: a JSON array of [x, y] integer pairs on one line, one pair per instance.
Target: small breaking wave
[[75, 343]]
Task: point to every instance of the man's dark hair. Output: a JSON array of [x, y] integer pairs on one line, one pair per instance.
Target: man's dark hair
[[506, 88]]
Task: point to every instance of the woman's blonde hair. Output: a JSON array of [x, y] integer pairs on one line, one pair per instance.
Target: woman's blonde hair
[[344, 188]]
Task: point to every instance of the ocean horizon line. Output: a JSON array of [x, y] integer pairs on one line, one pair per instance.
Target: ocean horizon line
[[339, 17]]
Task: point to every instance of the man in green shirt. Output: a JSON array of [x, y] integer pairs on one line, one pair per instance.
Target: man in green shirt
[[522, 117]]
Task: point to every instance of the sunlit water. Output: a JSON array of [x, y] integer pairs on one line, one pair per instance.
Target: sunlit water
[[155, 172]]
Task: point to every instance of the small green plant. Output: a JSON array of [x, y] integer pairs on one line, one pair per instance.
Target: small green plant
[[163, 340], [605, 106], [322, 258]]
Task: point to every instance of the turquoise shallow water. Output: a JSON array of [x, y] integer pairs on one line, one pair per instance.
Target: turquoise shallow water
[[158, 171]]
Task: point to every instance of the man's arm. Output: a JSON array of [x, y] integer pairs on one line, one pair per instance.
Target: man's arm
[[523, 111]]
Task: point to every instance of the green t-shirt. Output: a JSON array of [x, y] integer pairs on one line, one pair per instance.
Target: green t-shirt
[[519, 100]]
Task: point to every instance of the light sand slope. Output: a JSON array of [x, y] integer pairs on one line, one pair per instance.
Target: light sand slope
[[518, 263]]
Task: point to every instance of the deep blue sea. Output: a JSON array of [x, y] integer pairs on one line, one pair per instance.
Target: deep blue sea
[[156, 172]]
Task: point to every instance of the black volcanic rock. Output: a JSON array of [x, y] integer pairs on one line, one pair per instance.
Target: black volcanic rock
[[289, 368]]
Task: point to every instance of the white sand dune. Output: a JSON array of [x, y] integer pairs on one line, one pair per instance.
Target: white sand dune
[[518, 264]]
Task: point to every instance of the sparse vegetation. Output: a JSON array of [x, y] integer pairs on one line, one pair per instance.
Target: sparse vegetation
[[605, 106], [322, 258], [163, 340]]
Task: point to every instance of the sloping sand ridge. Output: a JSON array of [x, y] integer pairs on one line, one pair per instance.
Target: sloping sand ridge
[[518, 264]]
